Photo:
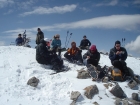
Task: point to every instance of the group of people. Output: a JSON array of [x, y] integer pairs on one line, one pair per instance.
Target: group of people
[[45, 53]]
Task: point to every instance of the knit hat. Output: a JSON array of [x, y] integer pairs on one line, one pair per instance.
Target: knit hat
[[117, 42], [38, 29], [84, 36], [93, 48], [46, 39], [73, 44]]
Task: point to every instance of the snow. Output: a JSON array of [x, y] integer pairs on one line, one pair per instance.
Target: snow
[[18, 65]]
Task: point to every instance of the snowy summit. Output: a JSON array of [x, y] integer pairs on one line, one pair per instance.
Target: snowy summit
[[18, 65]]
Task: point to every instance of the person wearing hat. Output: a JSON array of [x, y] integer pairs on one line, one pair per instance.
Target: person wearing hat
[[43, 55], [39, 36], [85, 43], [19, 40], [118, 55], [56, 44], [92, 56], [74, 54], [48, 42]]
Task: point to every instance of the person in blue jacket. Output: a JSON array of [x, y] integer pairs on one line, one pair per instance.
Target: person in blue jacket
[[19, 40], [56, 44], [118, 55]]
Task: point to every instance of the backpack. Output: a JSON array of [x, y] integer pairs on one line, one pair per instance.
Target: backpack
[[57, 63], [97, 72], [116, 74]]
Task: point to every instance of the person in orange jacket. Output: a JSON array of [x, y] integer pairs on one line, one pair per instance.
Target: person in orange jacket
[[74, 54]]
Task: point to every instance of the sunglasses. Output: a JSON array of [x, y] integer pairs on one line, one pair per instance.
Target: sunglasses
[[117, 46]]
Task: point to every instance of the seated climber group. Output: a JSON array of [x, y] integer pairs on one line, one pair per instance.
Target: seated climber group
[[47, 55]]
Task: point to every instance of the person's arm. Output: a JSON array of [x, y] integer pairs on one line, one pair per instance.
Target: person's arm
[[16, 41], [124, 55], [112, 55], [43, 52], [81, 43], [59, 43], [85, 55], [89, 43]]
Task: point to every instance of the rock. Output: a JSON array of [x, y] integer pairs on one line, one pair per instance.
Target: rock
[[90, 91], [105, 80], [125, 102], [83, 74], [73, 103], [33, 82], [95, 103], [135, 96], [132, 84], [118, 102], [117, 91], [75, 95]]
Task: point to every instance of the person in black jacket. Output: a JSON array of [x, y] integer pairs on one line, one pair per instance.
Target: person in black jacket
[[92, 56], [118, 55], [85, 43], [39, 36], [43, 55]]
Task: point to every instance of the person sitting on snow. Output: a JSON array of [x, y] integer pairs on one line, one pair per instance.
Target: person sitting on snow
[[19, 40], [43, 55], [48, 41], [74, 54], [92, 56], [118, 55], [85, 43], [56, 44]]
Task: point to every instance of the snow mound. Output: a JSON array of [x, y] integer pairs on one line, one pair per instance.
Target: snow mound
[[18, 65]]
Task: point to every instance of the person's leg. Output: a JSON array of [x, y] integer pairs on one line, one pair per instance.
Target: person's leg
[[59, 51], [78, 56], [92, 61], [68, 56]]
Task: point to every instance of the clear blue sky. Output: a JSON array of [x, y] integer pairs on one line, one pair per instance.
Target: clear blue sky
[[102, 21]]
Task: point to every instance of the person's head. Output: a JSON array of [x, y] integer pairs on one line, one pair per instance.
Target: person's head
[[73, 44], [117, 45], [19, 35], [84, 37], [47, 40], [38, 29], [93, 49], [57, 36]]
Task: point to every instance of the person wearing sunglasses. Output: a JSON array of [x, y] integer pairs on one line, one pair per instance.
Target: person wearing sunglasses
[[118, 55], [56, 44], [92, 56]]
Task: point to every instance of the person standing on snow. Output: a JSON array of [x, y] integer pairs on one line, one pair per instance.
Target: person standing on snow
[[85, 43], [74, 54], [92, 56], [56, 44], [39, 36], [19, 40]]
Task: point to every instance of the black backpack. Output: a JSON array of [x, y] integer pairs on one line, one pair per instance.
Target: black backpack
[[57, 63]]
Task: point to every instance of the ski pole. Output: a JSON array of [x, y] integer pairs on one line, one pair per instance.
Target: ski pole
[[69, 39], [66, 38]]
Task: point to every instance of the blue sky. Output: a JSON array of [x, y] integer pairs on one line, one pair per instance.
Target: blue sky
[[102, 21]]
